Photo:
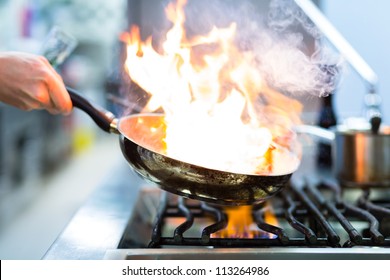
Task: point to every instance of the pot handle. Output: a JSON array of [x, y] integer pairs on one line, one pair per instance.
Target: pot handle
[[323, 134], [103, 118]]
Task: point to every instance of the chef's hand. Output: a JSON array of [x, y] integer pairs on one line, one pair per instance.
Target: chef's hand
[[29, 82]]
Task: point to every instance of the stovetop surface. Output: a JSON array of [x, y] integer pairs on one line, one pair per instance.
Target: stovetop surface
[[360, 238]]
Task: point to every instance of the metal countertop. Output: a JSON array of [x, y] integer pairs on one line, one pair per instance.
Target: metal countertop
[[98, 225]]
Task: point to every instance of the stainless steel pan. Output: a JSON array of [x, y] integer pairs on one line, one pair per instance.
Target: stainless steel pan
[[144, 152], [361, 158]]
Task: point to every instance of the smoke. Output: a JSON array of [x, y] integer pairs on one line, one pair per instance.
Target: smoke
[[298, 61], [288, 69], [291, 53]]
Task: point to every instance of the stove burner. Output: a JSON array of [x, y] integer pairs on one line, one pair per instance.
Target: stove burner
[[308, 215]]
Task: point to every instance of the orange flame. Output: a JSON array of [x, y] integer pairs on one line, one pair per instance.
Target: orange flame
[[241, 223], [209, 91]]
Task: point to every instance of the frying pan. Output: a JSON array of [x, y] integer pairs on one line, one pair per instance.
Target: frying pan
[[143, 150]]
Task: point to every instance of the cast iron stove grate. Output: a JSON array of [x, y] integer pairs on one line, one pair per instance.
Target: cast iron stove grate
[[307, 214]]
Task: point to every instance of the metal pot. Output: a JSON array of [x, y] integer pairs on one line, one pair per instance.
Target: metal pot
[[143, 151], [360, 158]]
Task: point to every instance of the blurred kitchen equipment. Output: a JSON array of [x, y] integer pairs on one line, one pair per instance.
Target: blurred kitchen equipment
[[360, 158], [372, 99], [327, 116], [326, 119], [143, 149], [58, 46]]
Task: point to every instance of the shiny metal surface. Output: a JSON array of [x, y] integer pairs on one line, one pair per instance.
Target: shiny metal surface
[[250, 254], [142, 149], [99, 224], [362, 159], [114, 126]]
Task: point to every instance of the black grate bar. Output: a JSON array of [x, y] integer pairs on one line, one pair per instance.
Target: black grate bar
[[352, 232], [219, 216], [332, 235], [159, 221], [242, 242], [376, 236], [366, 242], [178, 234], [375, 209], [309, 234], [371, 207], [280, 233], [334, 187]]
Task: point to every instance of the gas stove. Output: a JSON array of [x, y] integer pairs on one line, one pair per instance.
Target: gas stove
[[313, 218], [309, 220]]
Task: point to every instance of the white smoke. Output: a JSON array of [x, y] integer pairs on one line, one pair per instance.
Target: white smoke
[[291, 53], [290, 64]]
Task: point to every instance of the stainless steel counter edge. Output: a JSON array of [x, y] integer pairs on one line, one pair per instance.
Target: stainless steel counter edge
[[284, 253], [99, 224]]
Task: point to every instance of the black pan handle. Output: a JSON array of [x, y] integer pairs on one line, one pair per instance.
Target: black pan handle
[[103, 118]]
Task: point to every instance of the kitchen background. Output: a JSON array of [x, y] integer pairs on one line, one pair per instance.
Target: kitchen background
[[49, 165]]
